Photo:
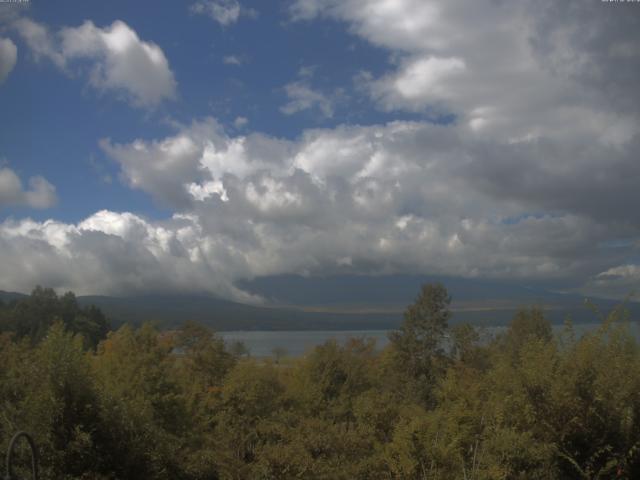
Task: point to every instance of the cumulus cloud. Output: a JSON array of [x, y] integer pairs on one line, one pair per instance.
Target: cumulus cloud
[[535, 178], [111, 253], [40, 194], [162, 167], [225, 12], [407, 196], [509, 69], [8, 57], [401, 197], [113, 58]]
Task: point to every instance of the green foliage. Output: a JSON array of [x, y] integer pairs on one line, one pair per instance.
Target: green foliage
[[49, 391], [437, 403], [418, 345], [203, 359], [32, 317], [527, 326]]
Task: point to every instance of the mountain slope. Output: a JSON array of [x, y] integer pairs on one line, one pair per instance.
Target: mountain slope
[[343, 303]]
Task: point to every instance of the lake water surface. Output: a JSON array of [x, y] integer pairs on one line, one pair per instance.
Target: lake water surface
[[298, 342]]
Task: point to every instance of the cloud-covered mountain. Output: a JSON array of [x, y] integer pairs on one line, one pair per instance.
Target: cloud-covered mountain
[[347, 302]]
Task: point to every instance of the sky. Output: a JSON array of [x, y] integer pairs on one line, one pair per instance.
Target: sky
[[192, 146]]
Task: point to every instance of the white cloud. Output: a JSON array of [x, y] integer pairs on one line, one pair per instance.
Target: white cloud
[[240, 122], [395, 24], [40, 194], [508, 69], [41, 42], [162, 168], [232, 60], [537, 172], [303, 97], [225, 12], [623, 271], [406, 197], [8, 57], [616, 282], [112, 253], [118, 60], [422, 81], [403, 197]]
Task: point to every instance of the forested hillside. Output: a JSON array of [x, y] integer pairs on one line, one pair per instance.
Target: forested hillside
[[439, 402], [30, 317]]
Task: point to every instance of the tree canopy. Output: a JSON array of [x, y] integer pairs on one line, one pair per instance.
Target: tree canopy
[[32, 316], [436, 403]]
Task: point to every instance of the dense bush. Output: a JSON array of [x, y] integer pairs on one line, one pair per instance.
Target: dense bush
[[178, 405]]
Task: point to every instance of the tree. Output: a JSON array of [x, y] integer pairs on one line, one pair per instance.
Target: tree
[[238, 349], [527, 325], [204, 356], [32, 316], [418, 344], [465, 346], [48, 391], [144, 417]]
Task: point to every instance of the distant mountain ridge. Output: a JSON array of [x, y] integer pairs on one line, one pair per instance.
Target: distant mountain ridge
[[9, 296], [394, 290], [342, 303]]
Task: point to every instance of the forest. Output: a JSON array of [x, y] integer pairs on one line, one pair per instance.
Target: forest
[[439, 402]]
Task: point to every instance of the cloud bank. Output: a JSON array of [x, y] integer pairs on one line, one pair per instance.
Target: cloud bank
[[534, 178], [507, 69], [407, 197]]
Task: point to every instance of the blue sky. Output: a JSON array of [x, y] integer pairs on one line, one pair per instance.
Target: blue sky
[[53, 116], [194, 145]]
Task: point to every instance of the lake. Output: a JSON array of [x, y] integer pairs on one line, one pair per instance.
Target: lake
[[298, 342]]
